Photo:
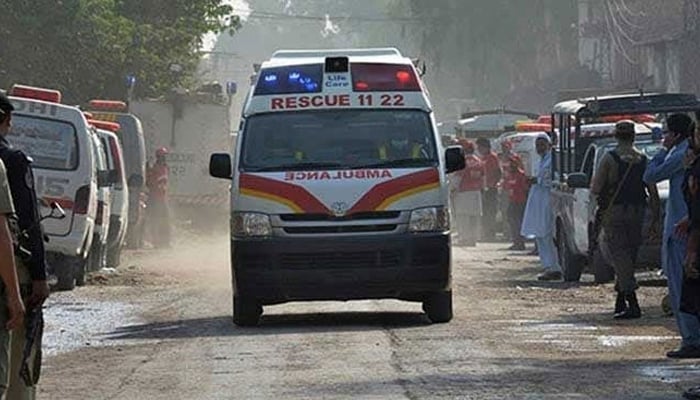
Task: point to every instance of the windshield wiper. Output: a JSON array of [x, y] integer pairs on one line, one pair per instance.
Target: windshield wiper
[[298, 166], [403, 162]]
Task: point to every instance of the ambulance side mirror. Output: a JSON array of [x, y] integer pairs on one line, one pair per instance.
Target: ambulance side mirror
[[454, 159], [220, 166], [577, 180]]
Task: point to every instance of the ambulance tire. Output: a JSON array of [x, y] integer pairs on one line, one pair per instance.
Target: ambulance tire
[[571, 265], [65, 277], [80, 273], [246, 312], [114, 256], [438, 307]]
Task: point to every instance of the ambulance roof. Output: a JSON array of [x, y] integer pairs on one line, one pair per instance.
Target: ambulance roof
[[301, 57], [45, 109], [304, 80]]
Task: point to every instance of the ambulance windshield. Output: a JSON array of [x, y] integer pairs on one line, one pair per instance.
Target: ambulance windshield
[[51, 144], [348, 139]]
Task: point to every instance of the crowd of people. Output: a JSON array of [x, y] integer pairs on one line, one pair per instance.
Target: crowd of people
[[624, 188]]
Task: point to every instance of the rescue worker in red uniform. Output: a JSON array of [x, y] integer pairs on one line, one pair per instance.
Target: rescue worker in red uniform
[[505, 157], [158, 210], [516, 184], [492, 177], [468, 206]]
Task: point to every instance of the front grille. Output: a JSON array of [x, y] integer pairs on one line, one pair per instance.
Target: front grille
[[340, 260], [427, 258], [309, 230], [374, 215]]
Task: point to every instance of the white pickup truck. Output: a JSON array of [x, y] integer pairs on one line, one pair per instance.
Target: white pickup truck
[[583, 208], [577, 154]]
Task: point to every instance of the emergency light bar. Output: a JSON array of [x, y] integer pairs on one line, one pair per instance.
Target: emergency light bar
[[373, 77], [639, 118], [108, 126], [533, 127], [290, 80], [108, 105], [544, 119], [35, 93]]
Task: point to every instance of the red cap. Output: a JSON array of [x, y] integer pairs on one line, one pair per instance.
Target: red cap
[[162, 152]]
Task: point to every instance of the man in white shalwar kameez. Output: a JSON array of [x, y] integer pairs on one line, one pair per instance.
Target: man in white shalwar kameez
[[539, 218]]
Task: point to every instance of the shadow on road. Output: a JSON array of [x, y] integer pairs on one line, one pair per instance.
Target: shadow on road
[[272, 325], [524, 378]]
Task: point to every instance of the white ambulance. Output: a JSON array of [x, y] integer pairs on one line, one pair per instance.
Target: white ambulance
[[339, 188], [97, 257], [58, 140], [119, 196]]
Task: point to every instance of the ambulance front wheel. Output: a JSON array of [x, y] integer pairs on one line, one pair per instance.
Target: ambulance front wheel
[[438, 307], [246, 312]]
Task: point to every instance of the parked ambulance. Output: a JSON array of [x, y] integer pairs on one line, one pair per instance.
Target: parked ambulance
[[339, 188], [131, 137], [59, 141], [119, 195]]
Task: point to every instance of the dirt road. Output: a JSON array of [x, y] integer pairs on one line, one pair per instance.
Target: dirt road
[[162, 330]]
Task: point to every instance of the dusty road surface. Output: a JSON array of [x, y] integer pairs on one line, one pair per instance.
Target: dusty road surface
[[162, 329]]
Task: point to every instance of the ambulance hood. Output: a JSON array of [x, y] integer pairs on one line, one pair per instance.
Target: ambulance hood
[[339, 193]]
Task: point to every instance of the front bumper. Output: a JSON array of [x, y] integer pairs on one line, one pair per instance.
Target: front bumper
[[400, 266]]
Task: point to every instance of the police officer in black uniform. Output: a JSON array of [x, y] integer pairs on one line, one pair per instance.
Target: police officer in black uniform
[[32, 268], [21, 180]]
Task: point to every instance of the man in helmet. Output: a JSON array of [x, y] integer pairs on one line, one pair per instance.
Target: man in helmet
[[158, 210]]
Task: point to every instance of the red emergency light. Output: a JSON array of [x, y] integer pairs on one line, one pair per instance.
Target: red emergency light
[[371, 77], [639, 118], [544, 119], [533, 127], [35, 93], [108, 105], [108, 126]]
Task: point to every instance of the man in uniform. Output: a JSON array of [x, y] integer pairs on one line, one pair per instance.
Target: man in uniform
[[158, 209], [11, 305], [622, 198], [32, 271], [403, 145], [489, 195], [467, 200]]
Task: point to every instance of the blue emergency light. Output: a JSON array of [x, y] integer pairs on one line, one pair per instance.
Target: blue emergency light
[[290, 80]]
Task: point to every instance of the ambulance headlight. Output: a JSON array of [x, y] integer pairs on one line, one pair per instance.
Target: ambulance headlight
[[432, 219], [251, 225]]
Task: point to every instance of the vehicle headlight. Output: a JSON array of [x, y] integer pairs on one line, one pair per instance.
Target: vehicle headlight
[[432, 219], [251, 225]]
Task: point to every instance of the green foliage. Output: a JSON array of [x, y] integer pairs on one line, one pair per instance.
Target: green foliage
[[86, 48]]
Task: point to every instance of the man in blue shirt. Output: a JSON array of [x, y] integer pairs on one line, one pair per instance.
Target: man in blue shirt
[[668, 164]]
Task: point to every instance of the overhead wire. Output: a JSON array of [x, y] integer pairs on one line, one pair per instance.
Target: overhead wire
[[615, 39], [323, 18]]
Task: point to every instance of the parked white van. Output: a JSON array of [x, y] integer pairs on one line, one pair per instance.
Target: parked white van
[[119, 197], [58, 140], [97, 257]]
